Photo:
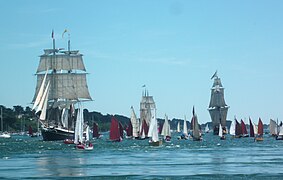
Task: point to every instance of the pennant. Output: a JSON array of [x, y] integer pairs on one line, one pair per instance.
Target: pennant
[[52, 34], [64, 33]]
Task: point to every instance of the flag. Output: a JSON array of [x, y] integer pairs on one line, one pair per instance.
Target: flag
[[143, 85], [214, 75], [193, 110], [52, 34], [64, 33]]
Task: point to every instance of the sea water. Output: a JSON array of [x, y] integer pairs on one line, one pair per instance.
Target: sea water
[[23, 157]]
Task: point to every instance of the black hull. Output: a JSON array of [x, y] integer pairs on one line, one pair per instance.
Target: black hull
[[55, 135]]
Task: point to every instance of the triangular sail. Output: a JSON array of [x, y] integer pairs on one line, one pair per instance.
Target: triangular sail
[[40, 92], [178, 127], [153, 131], [233, 128], [45, 104], [252, 133], [185, 129], [135, 123], [196, 130], [166, 128], [79, 127], [273, 127], [260, 127], [87, 133], [238, 128], [244, 128], [114, 130], [44, 97], [220, 131]]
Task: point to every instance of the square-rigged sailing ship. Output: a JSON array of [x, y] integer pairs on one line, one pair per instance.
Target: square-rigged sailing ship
[[61, 83]]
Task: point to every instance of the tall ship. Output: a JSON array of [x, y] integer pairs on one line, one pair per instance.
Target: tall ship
[[61, 84], [218, 109], [147, 110]]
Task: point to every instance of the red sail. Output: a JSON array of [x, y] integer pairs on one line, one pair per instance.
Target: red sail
[[252, 133], [121, 130], [114, 130], [129, 129], [238, 128], [145, 128], [244, 129], [260, 127], [30, 131], [95, 130]]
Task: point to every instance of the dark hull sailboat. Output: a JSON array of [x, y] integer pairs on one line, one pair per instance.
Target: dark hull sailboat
[[61, 83]]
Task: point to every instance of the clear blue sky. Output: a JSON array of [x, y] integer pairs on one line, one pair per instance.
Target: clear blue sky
[[173, 47]]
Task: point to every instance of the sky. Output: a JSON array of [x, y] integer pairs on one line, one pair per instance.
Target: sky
[[173, 47]]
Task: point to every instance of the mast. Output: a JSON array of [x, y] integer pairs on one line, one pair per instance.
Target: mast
[[217, 107]]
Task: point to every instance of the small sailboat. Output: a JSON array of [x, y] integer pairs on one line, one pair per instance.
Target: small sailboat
[[238, 129], [220, 133], [153, 131], [30, 132], [196, 129], [232, 129], [273, 127], [206, 130], [178, 127], [129, 130], [259, 136], [166, 133], [81, 142], [244, 129], [280, 133], [252, 130], [116, 131], [95, 131], [135, 124], [3, 134]]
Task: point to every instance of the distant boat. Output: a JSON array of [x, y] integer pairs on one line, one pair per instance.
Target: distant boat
[[135, 124], [147, 106], [129, 130], [273, 127], [280, 133], [116, 131], [238, 128], [220, 134], [252, 132], [95, 131], [217, 107], [259, 135], [3, 134], [61, 83], [178, 127], [82, 143], [206, 130], [30, 132], [166, 132], [244, 129], [196, 129], [232, 129], [153, 131], [184, 134]]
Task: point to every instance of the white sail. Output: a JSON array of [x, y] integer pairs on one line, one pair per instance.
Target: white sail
[[233, 128], [178, 127], [61, 62], [135, 123], [87, 133], [255, 129], [206, 128], [44, 97], [273, 127], [40, 92], [220, 131], [45, 104], [166, 128], [79, 127], [64, 117], [153, 131], [185, 129], [196, 130], [280, 131]]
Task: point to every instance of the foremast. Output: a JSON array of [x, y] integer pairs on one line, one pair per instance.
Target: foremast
[[218, 108]]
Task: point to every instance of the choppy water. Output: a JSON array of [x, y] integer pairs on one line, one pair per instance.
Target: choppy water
[[29, 158]]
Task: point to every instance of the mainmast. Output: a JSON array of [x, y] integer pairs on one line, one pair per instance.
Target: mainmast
[[217, 107]]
